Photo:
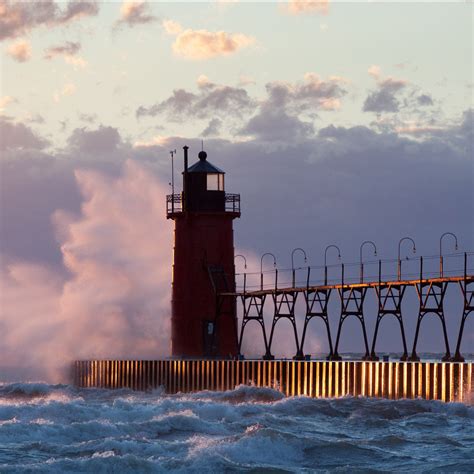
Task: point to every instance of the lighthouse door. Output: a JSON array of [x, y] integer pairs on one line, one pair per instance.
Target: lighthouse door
[[208, 340]]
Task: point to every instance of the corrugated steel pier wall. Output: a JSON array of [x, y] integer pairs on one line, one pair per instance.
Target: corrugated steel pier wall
[[445, 381]]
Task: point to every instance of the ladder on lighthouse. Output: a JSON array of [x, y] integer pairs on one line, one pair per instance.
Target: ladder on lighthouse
[[225, 305]]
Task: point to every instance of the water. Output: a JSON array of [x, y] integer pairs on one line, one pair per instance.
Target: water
[[57, 428]]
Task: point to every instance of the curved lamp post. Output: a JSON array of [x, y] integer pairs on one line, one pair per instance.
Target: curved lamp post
[[441, 250], [245, 267], [261, 266], [399, 260], [293, 263], [325, 260], [245, 260], [360, 256]]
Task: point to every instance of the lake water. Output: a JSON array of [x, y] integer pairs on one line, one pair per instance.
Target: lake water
[[58, 428]]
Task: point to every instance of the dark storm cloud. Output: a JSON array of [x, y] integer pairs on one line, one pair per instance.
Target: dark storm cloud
[[18, 18], [276, 125], [102, 140]]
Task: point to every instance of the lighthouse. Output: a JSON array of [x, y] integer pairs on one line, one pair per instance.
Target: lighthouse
[[202, 323]]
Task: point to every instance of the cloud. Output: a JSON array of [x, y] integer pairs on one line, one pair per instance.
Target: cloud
[[75, 61], [213, 128], [298, 7], [20, 51], [203, 44], [19, 136], [18, 18], [246, 80], [102, 140], [68, 51], [67, 90], [88, 118], [5, 101], [281, 114], [424, 99], [374, 71], [277, 126], [69, 48], [172, 27], [76, 10], [401, 106], [227, 107], [134, 13], [36, 118], [312, 94], [385, 97], [211, 100]]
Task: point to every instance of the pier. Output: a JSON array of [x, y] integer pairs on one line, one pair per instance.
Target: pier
[[430, 287]]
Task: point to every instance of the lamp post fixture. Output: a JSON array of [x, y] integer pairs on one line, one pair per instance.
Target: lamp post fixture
[[325, 260], [441, 250], [293, 264], [261, 266], [399, 259], [360, 255], [245, 260]]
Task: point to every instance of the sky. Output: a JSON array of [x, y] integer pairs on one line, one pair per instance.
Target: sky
[[337, 122]]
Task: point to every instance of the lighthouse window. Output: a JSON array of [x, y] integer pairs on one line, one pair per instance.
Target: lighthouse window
[[215, 182]]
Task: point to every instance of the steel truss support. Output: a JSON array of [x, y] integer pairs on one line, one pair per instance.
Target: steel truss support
[[352, 304], [253, 311], [389, 302], [284, 308], [468, 307], [317, 307], [389, 298], [431, 298]]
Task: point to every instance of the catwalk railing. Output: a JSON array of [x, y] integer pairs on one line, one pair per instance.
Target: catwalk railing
[[429, 276], [175, 204]]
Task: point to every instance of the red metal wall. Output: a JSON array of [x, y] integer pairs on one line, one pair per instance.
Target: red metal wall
[[201, 239]]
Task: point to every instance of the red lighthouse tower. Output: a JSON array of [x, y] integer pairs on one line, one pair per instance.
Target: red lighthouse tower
[[201, 324]]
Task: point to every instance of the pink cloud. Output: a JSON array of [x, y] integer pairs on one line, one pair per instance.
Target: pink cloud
[[297, 7], [135, 12], [203, 44], [20, 51]]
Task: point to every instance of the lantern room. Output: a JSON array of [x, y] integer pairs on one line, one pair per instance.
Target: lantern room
[[203, 190], [204, 186]]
